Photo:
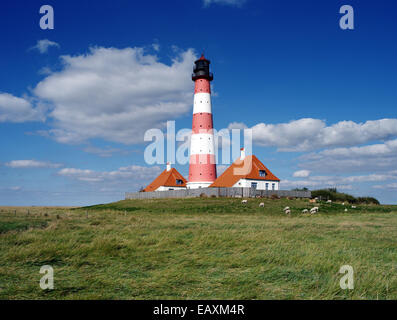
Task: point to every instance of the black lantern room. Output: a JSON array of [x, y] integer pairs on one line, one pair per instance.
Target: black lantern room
[[201, 70]]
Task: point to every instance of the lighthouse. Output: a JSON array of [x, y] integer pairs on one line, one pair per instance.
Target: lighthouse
[[202, 166]]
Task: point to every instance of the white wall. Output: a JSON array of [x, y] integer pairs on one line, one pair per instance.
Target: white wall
[[163, 188], [199, 184], [246, 183]]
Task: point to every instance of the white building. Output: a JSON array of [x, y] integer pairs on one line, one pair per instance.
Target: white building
[[169, 179], [248, 172]]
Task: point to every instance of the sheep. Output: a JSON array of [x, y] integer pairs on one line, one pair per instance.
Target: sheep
[[305, 211], [314, 210], [288, 211], [346, 210], [244, 201], [354, 207], [329, 201], [286, 208], [261, 205], [343, 203]]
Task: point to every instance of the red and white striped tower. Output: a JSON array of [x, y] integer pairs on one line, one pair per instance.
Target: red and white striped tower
[[202, 166]]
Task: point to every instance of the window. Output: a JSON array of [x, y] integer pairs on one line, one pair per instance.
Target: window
[[179, 181], [267, 186], [262, 173], [273, 186], [254, 185]]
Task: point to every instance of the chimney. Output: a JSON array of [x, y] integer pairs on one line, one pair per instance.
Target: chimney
[[242, 155], [168, 166]]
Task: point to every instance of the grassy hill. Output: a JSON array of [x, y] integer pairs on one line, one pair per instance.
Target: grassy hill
[[203, 248]]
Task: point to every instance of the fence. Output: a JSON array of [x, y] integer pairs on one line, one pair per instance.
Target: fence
[[217, 192]]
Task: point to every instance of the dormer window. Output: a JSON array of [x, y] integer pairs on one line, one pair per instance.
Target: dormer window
[[262, 173], [179, 181]]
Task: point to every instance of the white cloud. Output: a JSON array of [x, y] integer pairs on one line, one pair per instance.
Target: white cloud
[[370, 158], [236, 3], [310, 134], [386, 186], [45, 71], [340, 182], [376, 150], [133, 172], [301, 174], [14, 109], [32, 164], [237, 125], [43, 45], [15, 188], [346, 187], [104, 152], [116, 94]]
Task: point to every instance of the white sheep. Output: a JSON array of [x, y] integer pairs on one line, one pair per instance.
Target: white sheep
[[329, 201], [262, 204], [287, 208], [244, 201], [346, 210], [354, 207], [343, 203], [288, 211], [305, 211], [314, 210]]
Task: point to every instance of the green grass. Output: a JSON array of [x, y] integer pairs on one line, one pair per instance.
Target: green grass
[[6, 226], [203, 248]]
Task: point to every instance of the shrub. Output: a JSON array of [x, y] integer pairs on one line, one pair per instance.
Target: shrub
[[334, 195], [368, 200]]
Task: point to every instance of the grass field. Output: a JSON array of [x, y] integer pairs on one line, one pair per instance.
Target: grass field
[[204, 248]]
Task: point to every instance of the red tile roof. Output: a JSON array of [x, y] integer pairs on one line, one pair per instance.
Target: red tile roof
[[167, 179], [244, 169]]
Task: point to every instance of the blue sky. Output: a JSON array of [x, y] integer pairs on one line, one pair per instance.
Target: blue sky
[[75, 101]]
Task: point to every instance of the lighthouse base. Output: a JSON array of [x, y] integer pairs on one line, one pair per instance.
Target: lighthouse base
[[197, 185]]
